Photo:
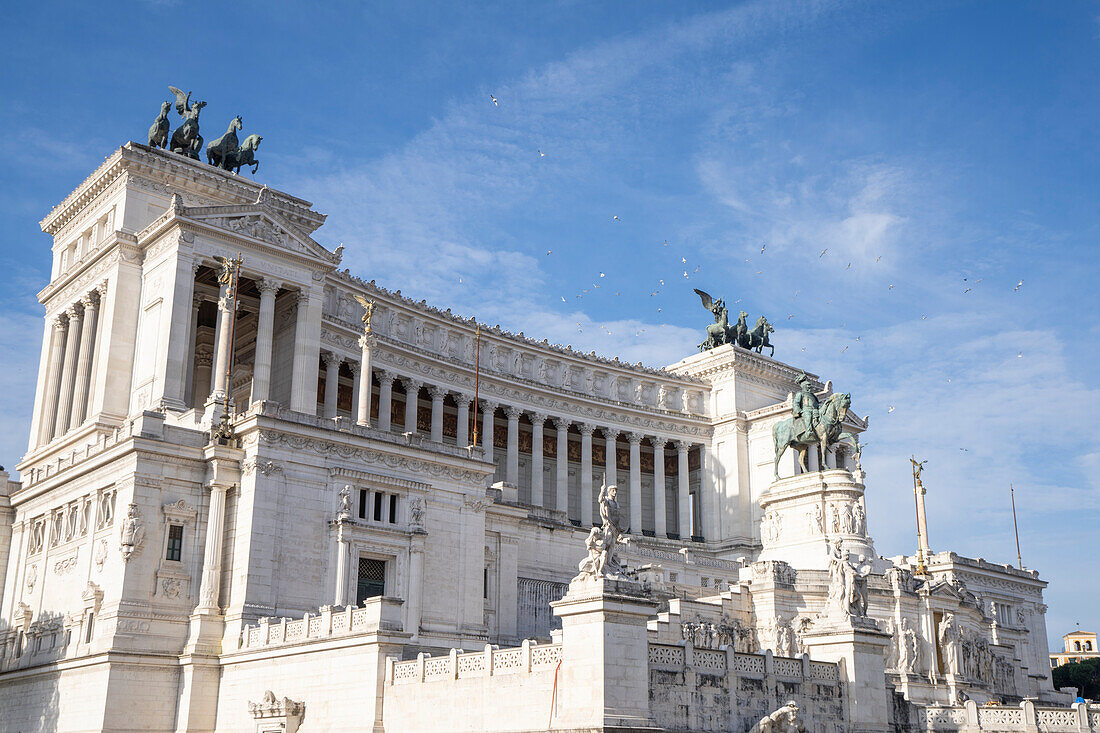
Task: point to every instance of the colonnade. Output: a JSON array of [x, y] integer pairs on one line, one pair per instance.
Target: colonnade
[[551, 497], [69, 374]]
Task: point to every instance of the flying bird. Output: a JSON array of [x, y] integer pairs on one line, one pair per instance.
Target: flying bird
[[891, 408], [849, 267], [684, 260], [495, 102], [878, 258], [763, 247], [844, 349], [823, 252], [615, 217], [602, 275], [1018, 286], [549, 251], [542, 154]]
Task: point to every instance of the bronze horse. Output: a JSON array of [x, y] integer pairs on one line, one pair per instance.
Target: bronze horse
[[219, 151], [826, 432]]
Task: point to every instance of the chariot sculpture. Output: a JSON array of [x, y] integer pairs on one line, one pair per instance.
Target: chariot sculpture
[[225, 152], [721, 332]]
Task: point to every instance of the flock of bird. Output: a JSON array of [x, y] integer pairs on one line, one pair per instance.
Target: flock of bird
[[969, 285]]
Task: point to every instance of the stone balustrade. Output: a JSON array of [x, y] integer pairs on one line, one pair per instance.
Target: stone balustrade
[[1027, 717], [376, 614], [524, 659]]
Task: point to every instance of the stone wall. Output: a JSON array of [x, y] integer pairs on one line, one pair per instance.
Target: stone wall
[[722, 690], [490, 690]]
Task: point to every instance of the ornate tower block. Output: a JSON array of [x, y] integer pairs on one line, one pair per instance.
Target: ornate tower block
[[801, 515]]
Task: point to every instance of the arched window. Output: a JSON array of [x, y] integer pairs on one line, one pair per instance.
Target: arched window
[[1076, 646]]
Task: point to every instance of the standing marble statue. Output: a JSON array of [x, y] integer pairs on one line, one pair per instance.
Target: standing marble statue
[[949, 643], [602, 542], [132, 533], [847, 597]]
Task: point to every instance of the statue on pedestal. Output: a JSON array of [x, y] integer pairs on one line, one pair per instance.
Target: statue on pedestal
[[602, 542], [721, 332], [811, 424], [132, 533], [847, 598]]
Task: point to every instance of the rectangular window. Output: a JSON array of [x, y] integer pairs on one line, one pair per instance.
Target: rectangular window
[[175, 542], [372, 579], [88, 623], [362, 503], [378, 496], [393, 508]]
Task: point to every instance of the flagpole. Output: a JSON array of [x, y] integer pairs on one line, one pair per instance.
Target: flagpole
[[477, 379], [1012, 493]]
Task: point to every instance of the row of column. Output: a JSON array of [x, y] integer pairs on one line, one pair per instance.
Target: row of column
[[385, 378], [69, 367]]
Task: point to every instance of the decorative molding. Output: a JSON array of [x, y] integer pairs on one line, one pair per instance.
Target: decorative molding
[[366, 455]]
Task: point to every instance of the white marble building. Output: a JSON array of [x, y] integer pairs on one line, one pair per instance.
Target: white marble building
[[156, 580]]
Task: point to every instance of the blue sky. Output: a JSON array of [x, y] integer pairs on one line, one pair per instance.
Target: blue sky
[[926, 148]]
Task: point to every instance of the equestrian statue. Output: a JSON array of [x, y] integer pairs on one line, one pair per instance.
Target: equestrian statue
[[721, 332], [812, 423]]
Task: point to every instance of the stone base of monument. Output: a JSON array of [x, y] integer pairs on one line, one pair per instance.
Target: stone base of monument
[[800, 515], [603, 681], [858, 646]]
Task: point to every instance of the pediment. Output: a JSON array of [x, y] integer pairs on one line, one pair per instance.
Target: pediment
[[259, 222]]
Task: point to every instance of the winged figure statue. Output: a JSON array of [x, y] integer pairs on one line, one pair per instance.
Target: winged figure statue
[[183, 105], [186, 139], [368, 307]]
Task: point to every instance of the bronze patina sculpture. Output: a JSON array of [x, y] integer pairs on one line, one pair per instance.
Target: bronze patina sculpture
[[158, 132], [218, 151], [811, 424], [720, 332], [245, 155], [186, 139]]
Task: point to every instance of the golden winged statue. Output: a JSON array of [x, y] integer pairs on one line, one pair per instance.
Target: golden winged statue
[[368, 307]]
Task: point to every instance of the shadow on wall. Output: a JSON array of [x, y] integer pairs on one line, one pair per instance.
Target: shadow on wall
[[31, 703]]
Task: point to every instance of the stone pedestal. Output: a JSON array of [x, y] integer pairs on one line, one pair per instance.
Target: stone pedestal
[[604, 675], [859, 647], [800, 515]]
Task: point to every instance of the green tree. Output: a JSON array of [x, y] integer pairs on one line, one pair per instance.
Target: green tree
[[1085, 676]]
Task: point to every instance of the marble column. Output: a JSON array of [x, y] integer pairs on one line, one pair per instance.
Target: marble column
[[412, 400], [68, 372], [265, 329], [562, 482], [53, 380], [221, 352], [437, 394], [303, 389], [416, 576], [84, 362], [212, 556], [511, 464], [341, 597], [683, 491], [193, 340], [385, 399], [356, 385], [611, 469], [537, 421], [586, 474], [366, 343], [635, 440], [462, 438], [488, 414], [659, 512], [332, 382]]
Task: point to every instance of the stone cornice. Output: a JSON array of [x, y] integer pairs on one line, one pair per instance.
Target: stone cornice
[[366, 477], [489, 334], [537, 398], [709, 364], [180, 173]]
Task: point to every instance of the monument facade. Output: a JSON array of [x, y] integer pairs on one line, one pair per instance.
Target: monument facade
[[253, 500]]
